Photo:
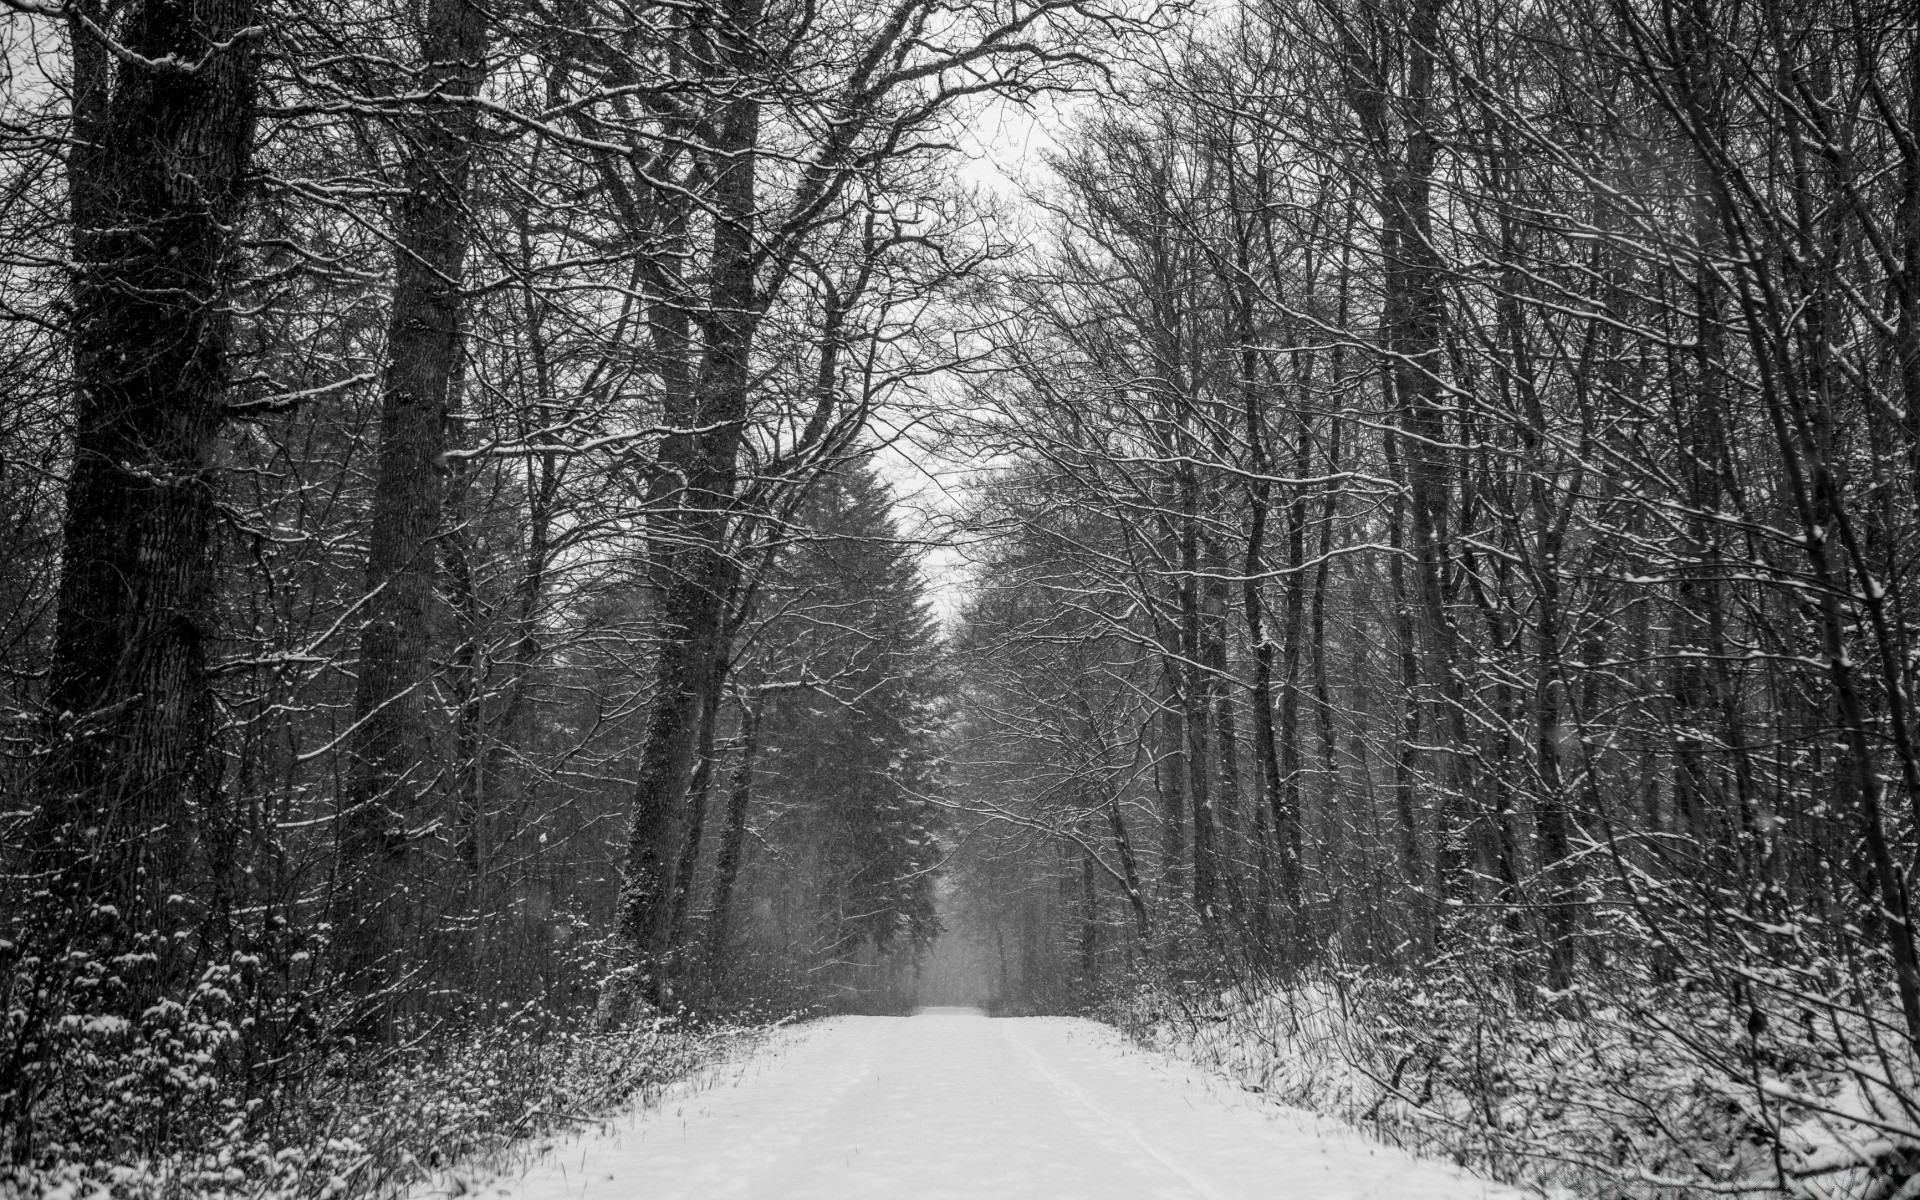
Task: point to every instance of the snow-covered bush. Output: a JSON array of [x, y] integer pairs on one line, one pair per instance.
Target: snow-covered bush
[[1631, 1084], [190, 1102]]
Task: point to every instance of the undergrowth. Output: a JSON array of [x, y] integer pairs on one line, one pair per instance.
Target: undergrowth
[[356, 1124], [1618, 1087]]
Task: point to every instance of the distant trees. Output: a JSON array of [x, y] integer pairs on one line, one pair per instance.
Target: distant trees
[[848, 711], [838, 226]]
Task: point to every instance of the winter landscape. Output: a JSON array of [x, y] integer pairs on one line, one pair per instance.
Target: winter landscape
[[1002, 599]]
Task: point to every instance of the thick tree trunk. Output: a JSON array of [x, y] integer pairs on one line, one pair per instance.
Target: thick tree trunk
[[692, 606], [388, 803], [157, 187]]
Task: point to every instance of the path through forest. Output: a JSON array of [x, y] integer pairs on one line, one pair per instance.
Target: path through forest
[[951, 1104]]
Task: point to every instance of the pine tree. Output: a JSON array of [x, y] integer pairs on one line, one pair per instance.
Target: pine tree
[[854, 760]]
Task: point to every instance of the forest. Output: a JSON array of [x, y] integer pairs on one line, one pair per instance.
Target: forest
[[1430, 492]]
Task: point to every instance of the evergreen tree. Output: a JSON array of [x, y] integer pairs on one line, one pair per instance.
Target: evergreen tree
[[853, 758]]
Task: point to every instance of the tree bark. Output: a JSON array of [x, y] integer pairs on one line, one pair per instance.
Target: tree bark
[[1170, 779], [1089, 924], [726, 867], [1195, 711], [691, 612], [157, 186], [697, 792], [388, 802], [1288, 767]]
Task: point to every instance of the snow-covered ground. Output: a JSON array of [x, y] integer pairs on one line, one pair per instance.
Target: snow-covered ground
[[950, 1104]]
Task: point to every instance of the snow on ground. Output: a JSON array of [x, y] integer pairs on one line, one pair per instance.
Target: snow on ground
[[949, 1105]]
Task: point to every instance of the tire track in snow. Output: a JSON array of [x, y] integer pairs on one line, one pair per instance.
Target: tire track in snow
[[1133, 1133], [954, 1106]]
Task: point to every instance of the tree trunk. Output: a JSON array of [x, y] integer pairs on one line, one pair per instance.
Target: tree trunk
[[704, 457], [1129, 868], [697, 791], [388, 802], [1288, 768], [1224, 730], [1195, 710], [157, 188], [1406, 762], [1412, 317], [1286, 820], [726, 866], [1089, 924], [1170, 780]]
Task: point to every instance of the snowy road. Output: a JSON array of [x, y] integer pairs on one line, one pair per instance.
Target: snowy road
[[949, 1104]]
